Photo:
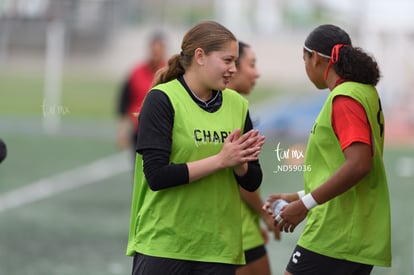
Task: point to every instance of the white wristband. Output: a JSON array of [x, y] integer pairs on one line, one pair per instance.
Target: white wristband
[[301, 193], [309, 201]]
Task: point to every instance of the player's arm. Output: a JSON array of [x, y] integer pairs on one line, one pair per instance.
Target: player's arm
[[356, 166], [154, 143], [255, 202], [123, 124], [124, 98], [351, 126]]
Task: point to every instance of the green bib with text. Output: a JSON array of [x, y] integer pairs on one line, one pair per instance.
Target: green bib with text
[[199, 221], [355, 225]]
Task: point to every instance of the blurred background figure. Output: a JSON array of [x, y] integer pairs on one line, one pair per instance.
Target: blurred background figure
[[254, 236], [3, 151], [134, 89]]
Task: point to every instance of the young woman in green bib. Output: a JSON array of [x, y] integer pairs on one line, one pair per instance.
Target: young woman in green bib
[[345, 200], [254, 236], [195, 147]]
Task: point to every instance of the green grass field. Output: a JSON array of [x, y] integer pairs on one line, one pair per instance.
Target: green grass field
[[83, 230]]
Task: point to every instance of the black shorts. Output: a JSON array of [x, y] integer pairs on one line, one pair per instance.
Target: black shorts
[[253, 254], [304, 262], [149, 265]]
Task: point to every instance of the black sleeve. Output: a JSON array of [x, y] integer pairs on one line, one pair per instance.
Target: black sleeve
[[124, 98], [253, 178], [160, 173], [155, 123], [154, 143]]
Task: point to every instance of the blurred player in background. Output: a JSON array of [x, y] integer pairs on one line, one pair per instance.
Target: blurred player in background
[[254, 236], [134, 90], [3, 150], [345, 201]]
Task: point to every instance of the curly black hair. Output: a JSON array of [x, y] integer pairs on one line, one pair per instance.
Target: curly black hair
[[353, 64]]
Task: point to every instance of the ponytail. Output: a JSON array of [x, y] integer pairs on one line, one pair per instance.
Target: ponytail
[[173, 70], [356, 65]]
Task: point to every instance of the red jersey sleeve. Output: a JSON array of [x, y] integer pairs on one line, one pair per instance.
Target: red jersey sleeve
[[350, 122]]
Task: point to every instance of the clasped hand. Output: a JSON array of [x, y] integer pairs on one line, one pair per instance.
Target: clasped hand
[[239, 149]]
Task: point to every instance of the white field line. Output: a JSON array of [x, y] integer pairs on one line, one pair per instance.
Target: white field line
[[47, 187]]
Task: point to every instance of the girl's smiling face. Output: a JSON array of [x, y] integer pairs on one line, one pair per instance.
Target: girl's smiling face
[[218, 67]]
